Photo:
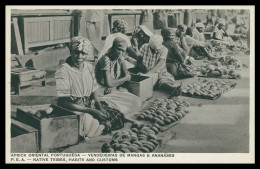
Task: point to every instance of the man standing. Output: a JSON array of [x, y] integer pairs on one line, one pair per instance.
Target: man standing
[[94, 20]]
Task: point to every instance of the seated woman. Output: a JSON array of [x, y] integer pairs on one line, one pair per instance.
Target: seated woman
[[140, 36], [76, 88], [111, 73], [180, 40], [197, 33], [196, 48], [175, 62], [118, 30], [152, 60], [219, 33]]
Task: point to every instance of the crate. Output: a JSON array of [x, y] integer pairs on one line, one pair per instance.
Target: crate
[[24, 138], [60, 130], [141, 86], [21, 77]]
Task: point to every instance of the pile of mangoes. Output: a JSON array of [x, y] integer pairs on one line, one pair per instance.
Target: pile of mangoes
[[218, 69], [138, 139], [165, 111], [224, 46], [207, 88]]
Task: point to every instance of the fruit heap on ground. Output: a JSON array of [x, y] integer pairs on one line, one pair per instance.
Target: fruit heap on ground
[[139, 139], [224, 46], [164, 111], [228, 60], [207, 88], [218, 69]]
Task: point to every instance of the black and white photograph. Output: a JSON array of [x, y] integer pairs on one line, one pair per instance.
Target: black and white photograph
[[130, 84]]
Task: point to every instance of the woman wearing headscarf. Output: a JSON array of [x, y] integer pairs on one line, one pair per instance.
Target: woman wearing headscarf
[[175, 61], [111, 73], [76, 89], [153, 57], [141, 35], [219, 32], [118, 30], [197, 33], [197, 48]]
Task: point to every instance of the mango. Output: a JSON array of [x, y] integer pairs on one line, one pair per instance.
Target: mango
[[140, 117], [139, 143], [49, 110], [144, 149], [167, 121], [155, 130], [160, 122], [151, 136], [154, 142], [150, 148], [135, 130], [125, 150], [132, 148], [156, 125]]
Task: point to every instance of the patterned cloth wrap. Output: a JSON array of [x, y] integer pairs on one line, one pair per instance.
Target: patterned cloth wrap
[[80, 44], [116, 121]]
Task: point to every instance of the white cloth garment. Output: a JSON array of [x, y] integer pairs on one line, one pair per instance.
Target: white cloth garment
[[123, 101]]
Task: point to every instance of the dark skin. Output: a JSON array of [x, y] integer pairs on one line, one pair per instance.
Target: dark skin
[[131, 52], [178, 53], [116, 53], [220, 26], [180, 33], [200, 29], [100, 114]]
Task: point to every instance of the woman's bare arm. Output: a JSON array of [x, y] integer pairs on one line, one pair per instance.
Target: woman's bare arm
[[109, 82], [67, 103]]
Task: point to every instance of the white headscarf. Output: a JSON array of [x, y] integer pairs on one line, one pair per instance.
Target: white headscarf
[[146, 30], [199, 25], [156, 41], [80, 44]]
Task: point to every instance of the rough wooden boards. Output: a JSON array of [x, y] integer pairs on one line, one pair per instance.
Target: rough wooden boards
[[17, 37]]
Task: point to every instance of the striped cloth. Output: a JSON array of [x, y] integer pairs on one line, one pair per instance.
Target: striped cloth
[[150, 60]]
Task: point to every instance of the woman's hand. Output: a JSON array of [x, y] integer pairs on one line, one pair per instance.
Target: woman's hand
[[141, 74], [101, 117], [105, 112], [128, 77], [189, 60]]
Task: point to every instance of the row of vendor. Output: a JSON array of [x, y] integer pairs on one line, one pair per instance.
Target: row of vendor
[[168, 55]]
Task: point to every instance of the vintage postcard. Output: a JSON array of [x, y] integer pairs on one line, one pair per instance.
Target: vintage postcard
[[130, 84]]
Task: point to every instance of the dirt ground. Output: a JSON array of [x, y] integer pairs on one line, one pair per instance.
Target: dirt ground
[[219, 126]]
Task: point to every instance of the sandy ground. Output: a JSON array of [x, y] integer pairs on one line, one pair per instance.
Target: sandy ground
[[219, 126]]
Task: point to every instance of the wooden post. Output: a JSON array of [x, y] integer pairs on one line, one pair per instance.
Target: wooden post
[[81, 24], [106, 25], [17, 37], [188, 17]]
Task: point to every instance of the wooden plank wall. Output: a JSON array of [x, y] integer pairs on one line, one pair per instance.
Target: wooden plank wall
[[40, 31]]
